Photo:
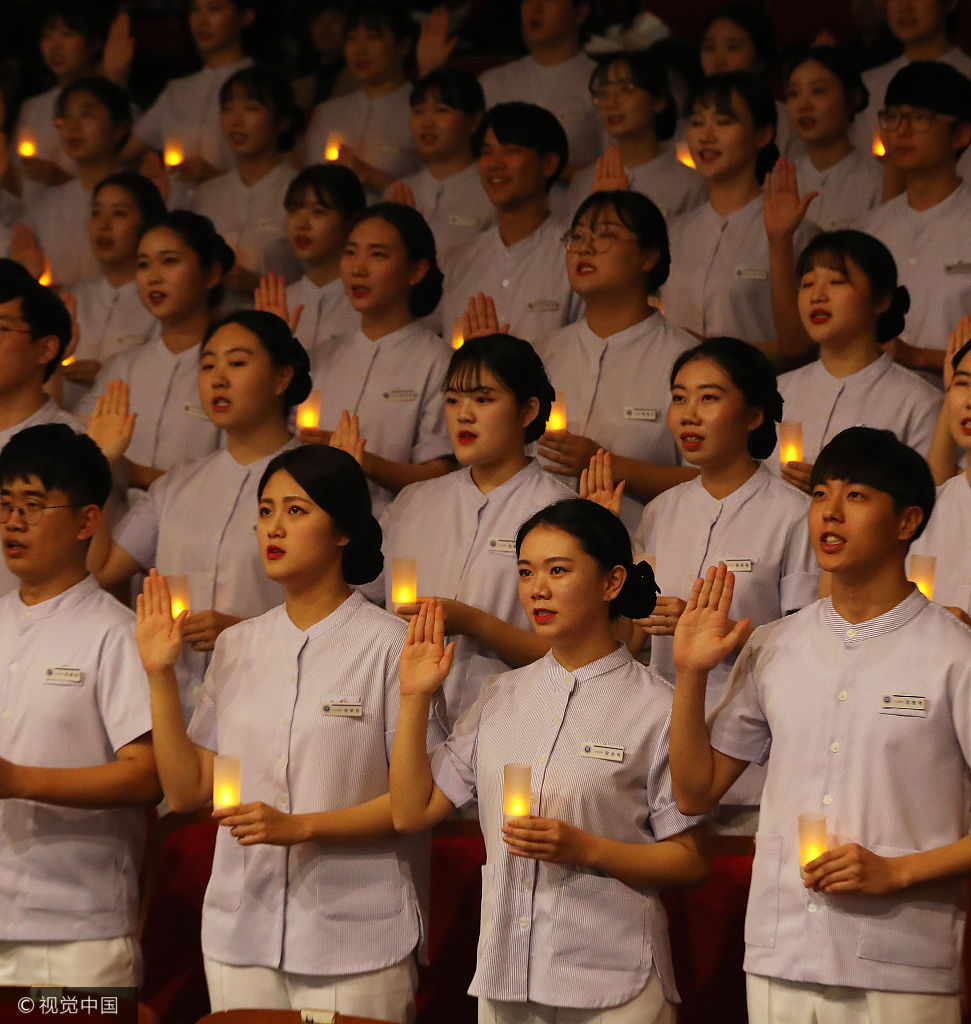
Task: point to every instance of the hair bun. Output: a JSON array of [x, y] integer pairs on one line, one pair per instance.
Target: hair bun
[[638, 596], [363, 560], [902, 297]]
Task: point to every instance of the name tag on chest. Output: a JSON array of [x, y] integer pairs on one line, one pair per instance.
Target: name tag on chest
[[601, 752], [910, 705], [961, 267], [738, 564], [500, 546], [463, 221], [751, 274], [195, 410], [401, 395], [342, 709], [636, 412], [61, 676], [543, 306]]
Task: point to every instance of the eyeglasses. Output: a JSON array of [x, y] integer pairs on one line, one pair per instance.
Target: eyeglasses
[[32, 511], [919, 120], [599, 241]]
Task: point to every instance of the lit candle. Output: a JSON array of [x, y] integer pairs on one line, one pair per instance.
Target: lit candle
[[684, 154], [458, 336], [173, 151], [308, 411], [517, 782], [879, 149], [67, 361], [225, 780], [790, 442], [333, 148], [812, 838], [404, 581], [922, 574], [27, 143], [178, 584], [45, 277], [557, 420]]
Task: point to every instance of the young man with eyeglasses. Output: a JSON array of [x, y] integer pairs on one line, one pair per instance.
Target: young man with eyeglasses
[[926, 125], [76, 761]]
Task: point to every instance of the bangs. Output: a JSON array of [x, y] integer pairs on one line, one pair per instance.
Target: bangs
[[718, 98], [828, 258], [466, 376], [305, 192], [247, 88]]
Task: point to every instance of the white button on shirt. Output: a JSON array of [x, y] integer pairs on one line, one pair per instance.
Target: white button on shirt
[[948, 538]]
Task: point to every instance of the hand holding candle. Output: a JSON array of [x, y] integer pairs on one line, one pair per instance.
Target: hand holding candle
[[812, 839], [226, 771], [516, 791]]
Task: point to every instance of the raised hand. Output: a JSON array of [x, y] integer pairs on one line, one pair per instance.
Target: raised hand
[[119, 49], [111, 423], [157, 634], [480, 319], [434, 46], [703, 638], [425, 660], [270, 296], [27, 251], [960, 336], [401, 193], [597, 483], [784, 208], [153, 169], [71, 305], [348, 438], [609, 174]]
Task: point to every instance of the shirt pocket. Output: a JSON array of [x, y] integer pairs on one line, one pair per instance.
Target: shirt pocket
[[486, 908], [225, 889], [363, 885], [762, 913], [601, 924], [921, 929]]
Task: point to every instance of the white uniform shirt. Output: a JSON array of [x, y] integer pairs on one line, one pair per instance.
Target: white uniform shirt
[[884, 395], [110, 320], [846, 190], [200, 519], [597, 742], [563, 89], [313, 908], [252, 220], [37, 117], [616, 389], [378, 130], [867, 728], [932, 250], [327, 312], [527, 280], [719, 283], [469, 555], [394, 385], [172, 425], [948, 538], [59, 218], [73, 692]]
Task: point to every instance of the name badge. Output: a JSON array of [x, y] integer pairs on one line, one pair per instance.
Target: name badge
[[60, 676], [601, 752], [401, 395], [543, 306], [738, 564], [195, 410], [464, 221], [751, 274], [501, 546], [342, 708], [909, 705], [961, 267], [633, 412]]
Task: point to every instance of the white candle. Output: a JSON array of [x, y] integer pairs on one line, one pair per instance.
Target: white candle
[[517, 781], [178, 584], [173, 151], [557, 420], [684, 154], [404, 581], [45, 276], [332, 150], [922, 574], [458, 336], [226, 771], [790, 442], [812, 838], [308, 411]]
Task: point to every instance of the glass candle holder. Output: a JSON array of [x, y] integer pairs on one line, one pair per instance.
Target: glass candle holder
[[812, 838], [226, 771], [308, 411], [404, 581], [517, 795], [332, 150], [173, 153], [27, 142], [790, 442], [557, 420], [458, 333], [921, 574], [178, 584]]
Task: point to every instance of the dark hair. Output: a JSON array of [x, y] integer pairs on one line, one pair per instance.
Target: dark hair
[[455, 87], [81, 16], [332, 185], [199, 233], [111, 96], [380, 14], [42, 310], [933, 85], [841, 64], [148, 199], [527, 125], [60, 459], [271, 90], [514, 363], [678, 57], [419, 243], [756, 25], [835, 249], [752, 373], [877, 459], [336, 483], [647, 73], [960, 354], [603, 536], [752, 89], [281, 346], [638, 214]]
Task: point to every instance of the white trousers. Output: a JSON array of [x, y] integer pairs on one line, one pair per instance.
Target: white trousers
[[90, 963], [648, 1007], [772, 1001], [388, 994]]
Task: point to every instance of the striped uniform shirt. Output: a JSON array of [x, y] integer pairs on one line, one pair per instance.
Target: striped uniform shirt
[[327, 312], [870, 724], [596, 740], [312, 715]]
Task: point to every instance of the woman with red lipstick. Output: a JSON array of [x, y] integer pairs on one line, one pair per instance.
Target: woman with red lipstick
[[198, 518], [312, 899], [570, 912]]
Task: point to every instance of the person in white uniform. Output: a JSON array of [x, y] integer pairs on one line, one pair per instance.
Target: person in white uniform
[[321, 203], [852, 306], [370, 126], [312, 900], [926, 124], [570, 913], [733, 259], [109, 312], [199, 519], [824, 92], [519, 263], [497, 400], [75, 743], [611, 368], [866, 731], [246, 205], [181, 261], [382, 385]]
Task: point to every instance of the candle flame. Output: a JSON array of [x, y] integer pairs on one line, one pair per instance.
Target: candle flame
[[332, 150], [226, 797], [67, 361], [27, 147], [178, 607], [879, 149], [791, 453], [45, 278], [926, 587], [307, 416], [684, 154], [174, 153], [518, 808], [557, 417], [458, 339], [812, 851], [404, 593]]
